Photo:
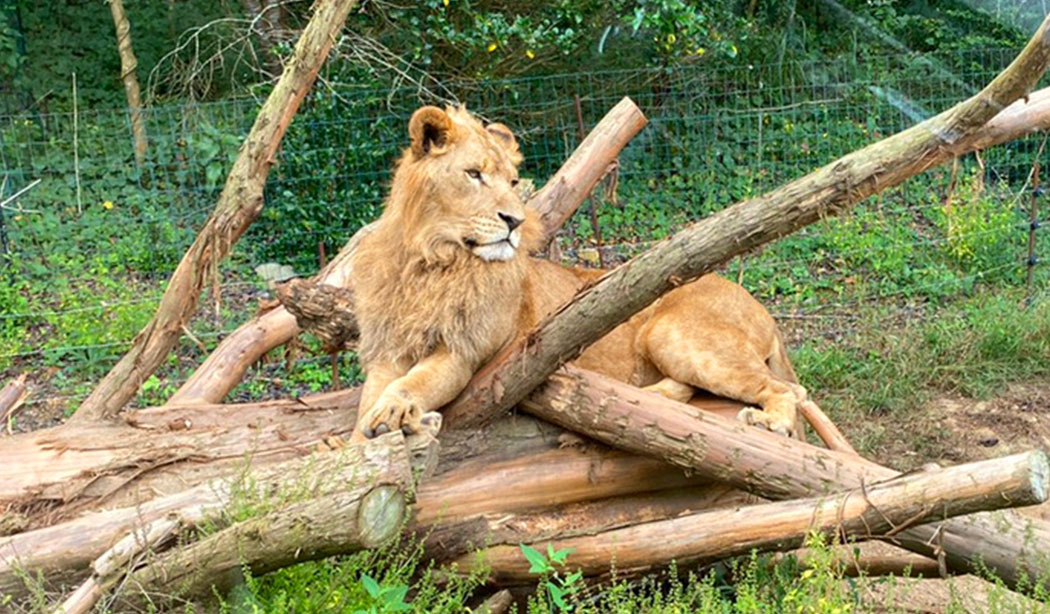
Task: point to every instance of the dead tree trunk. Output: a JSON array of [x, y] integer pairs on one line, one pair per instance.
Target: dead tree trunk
[[562, 195], [128, 65], [862, 513], [700, 248], [238, 206], [774, 467]]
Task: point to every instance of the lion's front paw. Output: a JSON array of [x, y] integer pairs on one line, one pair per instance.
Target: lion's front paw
[[393, 410], [765, 420]]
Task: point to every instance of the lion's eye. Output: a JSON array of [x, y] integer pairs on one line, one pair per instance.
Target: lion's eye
[[474, 173], [513, 183]]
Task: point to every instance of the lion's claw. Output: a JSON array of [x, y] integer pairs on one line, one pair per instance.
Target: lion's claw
[[382, 429]]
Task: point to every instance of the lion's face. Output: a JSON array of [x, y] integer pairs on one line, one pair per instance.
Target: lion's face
[[463, 175]]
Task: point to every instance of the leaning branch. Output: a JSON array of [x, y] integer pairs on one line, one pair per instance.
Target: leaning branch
[[705, 245], [239, 204]]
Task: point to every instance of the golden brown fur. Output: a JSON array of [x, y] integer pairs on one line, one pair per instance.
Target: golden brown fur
[[444, 281]]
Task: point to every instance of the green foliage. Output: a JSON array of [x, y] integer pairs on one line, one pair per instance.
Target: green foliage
[[376, 581], [386, 598], [67, 36], [559, 588]]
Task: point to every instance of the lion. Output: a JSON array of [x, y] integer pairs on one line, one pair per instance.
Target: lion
[[444, 281]]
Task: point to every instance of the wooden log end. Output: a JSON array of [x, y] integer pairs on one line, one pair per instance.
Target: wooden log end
[[1039, 472], [380, 515]]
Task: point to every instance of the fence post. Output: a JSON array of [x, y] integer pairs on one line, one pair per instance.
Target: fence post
[[1033, 225]]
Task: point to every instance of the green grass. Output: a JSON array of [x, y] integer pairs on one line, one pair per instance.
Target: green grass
[[887, 370]]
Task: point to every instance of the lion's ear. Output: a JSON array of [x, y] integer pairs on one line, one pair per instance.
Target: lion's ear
[[504, 134], [429, 130]]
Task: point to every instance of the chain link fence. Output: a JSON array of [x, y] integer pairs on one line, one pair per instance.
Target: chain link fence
[[85, 251]]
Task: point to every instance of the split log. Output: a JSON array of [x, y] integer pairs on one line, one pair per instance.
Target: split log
[[328, 504], [773, 467], [555, 203], [239, 204], [458, 538], [880, 509], [705, 245]]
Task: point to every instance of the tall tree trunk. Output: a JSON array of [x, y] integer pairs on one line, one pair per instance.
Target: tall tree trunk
[[128, 64], [239, 204]]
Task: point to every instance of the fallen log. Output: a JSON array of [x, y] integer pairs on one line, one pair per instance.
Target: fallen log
[[869, 559], [447, 540], [878, 510], [555, 203], [58, 472], [332, 503], [238, 206], [703, 246], [489, 485], [773, 467]]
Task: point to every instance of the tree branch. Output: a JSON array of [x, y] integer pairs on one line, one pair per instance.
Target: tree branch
[[239, 204]]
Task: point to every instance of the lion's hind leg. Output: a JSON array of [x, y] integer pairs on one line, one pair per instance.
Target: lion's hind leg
[[672, 389], [727, 369]]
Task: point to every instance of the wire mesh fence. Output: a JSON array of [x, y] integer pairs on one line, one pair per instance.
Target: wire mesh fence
[[86, 251]]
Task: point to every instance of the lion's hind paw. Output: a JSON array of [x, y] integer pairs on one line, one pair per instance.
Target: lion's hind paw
[[755, 416]]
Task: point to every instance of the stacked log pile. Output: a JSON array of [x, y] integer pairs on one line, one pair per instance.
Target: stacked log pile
[[121, 502]]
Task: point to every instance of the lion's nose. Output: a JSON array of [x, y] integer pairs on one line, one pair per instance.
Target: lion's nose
[[512, 222]]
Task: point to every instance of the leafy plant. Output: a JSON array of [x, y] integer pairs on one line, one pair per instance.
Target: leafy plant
[[386, 599], [559, 587]]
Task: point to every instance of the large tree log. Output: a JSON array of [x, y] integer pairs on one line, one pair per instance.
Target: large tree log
[[862, 513], [489, 484], [773, 467], [555, 203], [239, 204], [59, 472], [335, 502], [54, 473], [700, 248]]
